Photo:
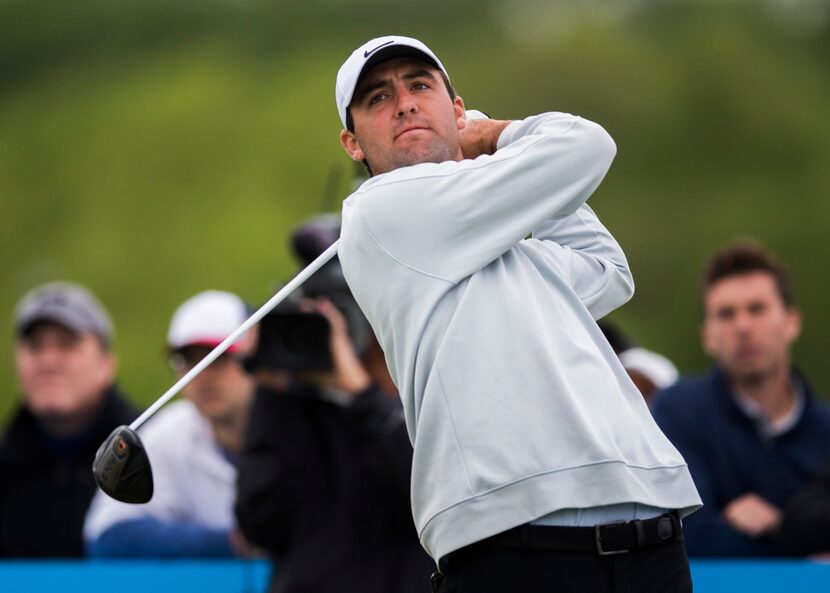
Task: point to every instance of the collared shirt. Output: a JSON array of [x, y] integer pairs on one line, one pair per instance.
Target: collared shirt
[[768, 428]]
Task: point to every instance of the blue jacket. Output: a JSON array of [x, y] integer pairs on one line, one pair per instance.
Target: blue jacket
[[728, 458]]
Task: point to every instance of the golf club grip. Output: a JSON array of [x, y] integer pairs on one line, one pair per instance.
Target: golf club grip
[[275, 300]]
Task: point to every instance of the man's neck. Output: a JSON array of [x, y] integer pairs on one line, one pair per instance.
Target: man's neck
[[773, 394], [67, 426], [229, 432]]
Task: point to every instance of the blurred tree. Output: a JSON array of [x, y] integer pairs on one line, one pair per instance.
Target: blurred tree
[[152, 150]]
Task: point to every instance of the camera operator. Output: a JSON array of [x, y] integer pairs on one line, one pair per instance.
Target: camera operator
[[324, 473]]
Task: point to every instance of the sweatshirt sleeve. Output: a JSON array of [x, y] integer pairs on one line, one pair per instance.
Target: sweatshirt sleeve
[[592, 259], [451, 219]]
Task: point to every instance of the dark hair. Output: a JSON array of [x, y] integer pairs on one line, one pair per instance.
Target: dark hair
[[618, 340], [745, 257], [350, 121]]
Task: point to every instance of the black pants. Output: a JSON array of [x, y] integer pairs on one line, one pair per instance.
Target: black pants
[[662, 568]]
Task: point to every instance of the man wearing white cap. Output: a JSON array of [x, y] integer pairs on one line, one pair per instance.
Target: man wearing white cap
[[537, 465], [649, 370], [192, 446]]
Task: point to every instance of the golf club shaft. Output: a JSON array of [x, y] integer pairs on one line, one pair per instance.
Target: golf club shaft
[[275, 300]]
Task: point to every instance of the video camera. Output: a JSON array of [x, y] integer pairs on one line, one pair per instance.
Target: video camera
[[296, 340]]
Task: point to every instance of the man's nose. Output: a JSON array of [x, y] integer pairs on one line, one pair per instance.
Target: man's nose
[[743, 322], [49, 356], [406, 103]]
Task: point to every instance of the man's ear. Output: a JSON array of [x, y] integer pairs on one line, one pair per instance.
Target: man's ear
[[460, 113], [793, 324], [108, 369], [350, 144], [707, 340]]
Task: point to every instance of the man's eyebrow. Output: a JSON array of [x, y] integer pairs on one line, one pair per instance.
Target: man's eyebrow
[[421, 73], [361, 93]]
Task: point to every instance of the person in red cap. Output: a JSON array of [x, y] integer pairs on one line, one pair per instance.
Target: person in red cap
[[192, 445]]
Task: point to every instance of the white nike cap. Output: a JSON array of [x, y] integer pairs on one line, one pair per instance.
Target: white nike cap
[[369, 55]]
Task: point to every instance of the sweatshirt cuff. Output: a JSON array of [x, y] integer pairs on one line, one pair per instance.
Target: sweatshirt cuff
[[558, 123], [508, 134]]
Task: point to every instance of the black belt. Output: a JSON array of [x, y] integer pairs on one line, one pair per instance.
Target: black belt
[[605, 539]]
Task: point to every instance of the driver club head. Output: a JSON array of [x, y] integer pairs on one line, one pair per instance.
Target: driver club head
[[122, 468]]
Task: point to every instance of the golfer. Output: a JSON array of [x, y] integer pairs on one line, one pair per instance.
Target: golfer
[[536, 464]]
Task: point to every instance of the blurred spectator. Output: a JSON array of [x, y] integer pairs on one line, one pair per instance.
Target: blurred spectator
[[192, 446], [752, 430], [617, 338], [66, 369], [649, 371], [324, 477]]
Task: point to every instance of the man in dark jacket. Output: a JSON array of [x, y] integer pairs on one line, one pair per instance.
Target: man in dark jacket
[[752, 431], [66, 369], [324, 475]]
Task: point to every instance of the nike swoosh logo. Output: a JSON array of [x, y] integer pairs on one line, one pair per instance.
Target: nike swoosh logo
[[366, 54]]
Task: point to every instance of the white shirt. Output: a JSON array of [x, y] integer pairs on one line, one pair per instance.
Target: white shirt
[[194, 482]]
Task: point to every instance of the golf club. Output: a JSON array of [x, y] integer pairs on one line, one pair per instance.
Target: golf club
[[121, 467]]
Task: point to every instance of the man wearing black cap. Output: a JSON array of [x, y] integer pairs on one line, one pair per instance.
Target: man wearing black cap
[[66, 370], [537, 465]]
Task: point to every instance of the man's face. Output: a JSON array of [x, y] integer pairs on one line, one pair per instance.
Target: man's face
[[747, 328], [403, 115], [62, 373], [222, 391]]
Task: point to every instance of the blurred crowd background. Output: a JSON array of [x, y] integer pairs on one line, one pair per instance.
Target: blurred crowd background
[[151, 149]]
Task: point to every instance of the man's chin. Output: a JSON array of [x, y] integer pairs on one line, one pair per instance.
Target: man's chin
[[749, 374], [52, 405], [212, 409], [60, 421], [416, 153], [420, 158]]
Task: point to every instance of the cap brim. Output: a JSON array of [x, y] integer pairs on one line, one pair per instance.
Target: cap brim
[[233, 348], [397, 51], [25, 326], [390, 53]]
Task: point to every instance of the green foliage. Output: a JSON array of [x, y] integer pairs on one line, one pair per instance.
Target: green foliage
[[154, 150]]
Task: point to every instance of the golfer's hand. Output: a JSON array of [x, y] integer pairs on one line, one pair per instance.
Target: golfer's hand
[[348, 373], [752, 515], [480, 136]]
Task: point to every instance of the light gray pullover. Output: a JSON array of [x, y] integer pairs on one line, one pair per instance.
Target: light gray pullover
[[514, 401]]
